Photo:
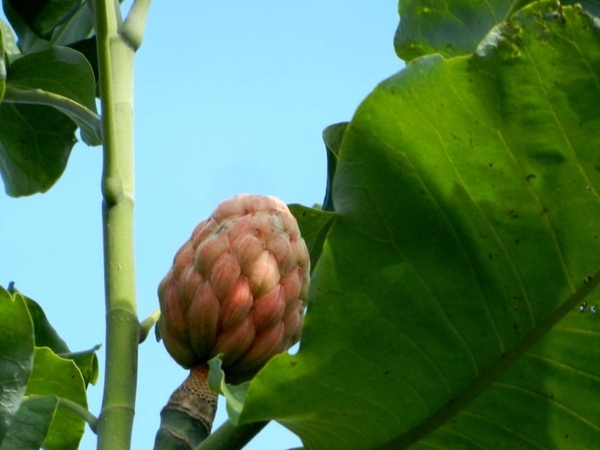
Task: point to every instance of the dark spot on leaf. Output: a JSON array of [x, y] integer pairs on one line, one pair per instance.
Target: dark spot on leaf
[[549, 157], [517, 241], [293, 363], [513, 214], [491, 165], [530, 177]]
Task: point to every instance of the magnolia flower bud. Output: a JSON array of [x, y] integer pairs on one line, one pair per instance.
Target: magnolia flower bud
[[237, 287]]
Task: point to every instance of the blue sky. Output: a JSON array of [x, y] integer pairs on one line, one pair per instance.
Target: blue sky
[[230, 97]]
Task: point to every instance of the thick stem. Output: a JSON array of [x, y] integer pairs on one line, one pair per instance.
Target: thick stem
[[187, 418], [115, 60]]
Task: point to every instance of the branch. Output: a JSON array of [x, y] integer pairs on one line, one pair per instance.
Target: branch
[[231, 437], [82, 412], [147, 324], [135, 24]]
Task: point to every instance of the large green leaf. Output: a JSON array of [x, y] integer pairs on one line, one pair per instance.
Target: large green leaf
[[46, 336], [56, 376], [454, 27], [16, 355], [444, 311], [31, 424]]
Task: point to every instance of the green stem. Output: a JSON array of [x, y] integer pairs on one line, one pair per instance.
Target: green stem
[[82, 412], [231, 437], [115, 61]]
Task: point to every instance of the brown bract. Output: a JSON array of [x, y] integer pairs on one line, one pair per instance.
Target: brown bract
[[237, 287]]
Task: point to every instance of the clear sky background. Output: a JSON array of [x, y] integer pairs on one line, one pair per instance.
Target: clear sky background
[[231, 97]]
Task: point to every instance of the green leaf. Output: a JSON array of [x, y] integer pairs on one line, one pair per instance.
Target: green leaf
[[42, 17], [333, 136], [89, 122], [31, 424], [234, 395], [67, 81], [36, 140], [16, 355], [35, 144], [451, 28], [9, 42], [314, 225], [444, 311], [56, 376], [45, 334], [76, 26], [454, 27], [2, 62], [87, 362]]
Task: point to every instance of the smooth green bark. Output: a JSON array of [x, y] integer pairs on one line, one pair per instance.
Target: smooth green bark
[[115, 59]]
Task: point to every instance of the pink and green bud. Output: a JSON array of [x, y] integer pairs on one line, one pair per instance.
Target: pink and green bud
[[237, 287]]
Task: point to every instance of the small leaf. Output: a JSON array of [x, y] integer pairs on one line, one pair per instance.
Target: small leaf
[[3, 31], [8, 40], [87, 361], [16, 355], [314, 225], [56, 376], [234, 395], [31, 424], [333, 136]]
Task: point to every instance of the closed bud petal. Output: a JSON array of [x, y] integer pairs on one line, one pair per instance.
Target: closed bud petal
[[209, 251], [226, 272], [234, 342], [236, 306], [204, 315], [269, 308]]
